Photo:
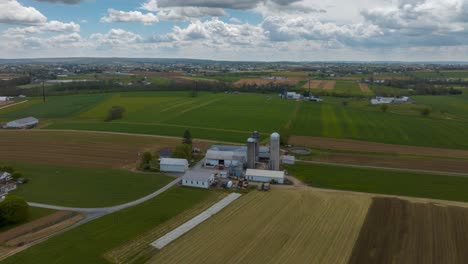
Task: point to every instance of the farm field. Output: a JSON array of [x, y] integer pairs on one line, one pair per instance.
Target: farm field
[[442, 74], [443, 187], [264, 81], [231, 117], [84, 187], [34, 214], [320, 84], [280, 226], [77, 148], [89, 242], [398, 231]]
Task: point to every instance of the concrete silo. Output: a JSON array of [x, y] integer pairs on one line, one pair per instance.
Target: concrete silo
[[275, 152], [256, 136], [251, 157]]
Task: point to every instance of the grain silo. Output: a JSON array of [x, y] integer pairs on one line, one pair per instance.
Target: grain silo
[[251, 156], [275, 152], [256, 136]]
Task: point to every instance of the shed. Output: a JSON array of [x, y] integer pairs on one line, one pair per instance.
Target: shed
[[198, 179], [173, 165], [265, 176], [28, 122], [287, 159]]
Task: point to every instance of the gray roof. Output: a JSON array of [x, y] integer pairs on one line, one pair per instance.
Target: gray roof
[[169, 161], [197, 176], [229, 148], [24, 121]]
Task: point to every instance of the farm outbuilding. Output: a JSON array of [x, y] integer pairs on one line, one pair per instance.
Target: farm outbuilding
[[28, 122], [173, 165], [265, 176], [224, 155], [287, 159], [198, 179]]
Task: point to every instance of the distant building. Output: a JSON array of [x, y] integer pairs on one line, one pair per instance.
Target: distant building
[[198, 179], [4, 98], [265, 176], [173, 165], [24, 123], [6, 184], [390, 100]]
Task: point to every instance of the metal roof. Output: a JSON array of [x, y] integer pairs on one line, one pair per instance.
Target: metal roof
[[229, 148], [170, 161], [197, 176], [219, 155], [265, 173], [23, 121]]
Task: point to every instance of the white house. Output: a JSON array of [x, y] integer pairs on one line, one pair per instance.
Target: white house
[[173, 165], [265, 176], [198, 179]]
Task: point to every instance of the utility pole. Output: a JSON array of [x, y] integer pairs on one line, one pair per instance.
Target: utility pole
[[43, 91]]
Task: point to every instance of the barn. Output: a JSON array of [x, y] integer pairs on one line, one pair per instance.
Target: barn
[[198, 179], [28, 122], [265, 176], [173, 165]]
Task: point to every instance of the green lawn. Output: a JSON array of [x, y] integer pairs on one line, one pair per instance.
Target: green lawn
[[87, 243], [84, 187], [34, 213], [382, 181]]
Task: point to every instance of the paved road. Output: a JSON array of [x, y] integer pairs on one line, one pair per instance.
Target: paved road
[[93, 213]]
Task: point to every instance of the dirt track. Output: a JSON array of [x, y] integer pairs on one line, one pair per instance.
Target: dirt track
[[398, 231], [374, 147], [364, 88]]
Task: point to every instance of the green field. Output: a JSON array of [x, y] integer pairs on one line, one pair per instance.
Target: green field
[[85, 187], [87, 243], [383, 181], [442, 74], [231, 117]]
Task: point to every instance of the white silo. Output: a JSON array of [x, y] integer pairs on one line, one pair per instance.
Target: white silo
[[275, 151], [256, 136], [251, 157]]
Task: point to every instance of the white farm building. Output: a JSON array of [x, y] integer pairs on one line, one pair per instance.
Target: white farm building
[[265, 176], [198, 179], [173, 165], [28, 122]]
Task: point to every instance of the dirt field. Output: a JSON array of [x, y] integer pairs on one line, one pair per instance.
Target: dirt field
[[373, 147], [427, 164], [324, 85], [261, 81], [77, 148], [364, 88], [397, 231], [284, 225]]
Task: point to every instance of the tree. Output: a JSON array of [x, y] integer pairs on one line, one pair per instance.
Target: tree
[[13, 209], [426, 111], [187, 137], [285, 134], [183, 151], [8, 169], [16, 175], [146, 160], [384, 108], [344, 103], [115, 112]]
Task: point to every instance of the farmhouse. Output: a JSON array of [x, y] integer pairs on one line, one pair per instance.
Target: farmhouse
[[390, 100], [6, 184], [265, 176], [5, 177], [173, 165], [198, 179], [24, 123]]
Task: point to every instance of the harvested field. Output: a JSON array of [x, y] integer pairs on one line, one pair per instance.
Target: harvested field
[[414, 163], [364, 88], [318, 84], [77, 148], [374, 147], [397, 231], [281, 226], [262, 81]]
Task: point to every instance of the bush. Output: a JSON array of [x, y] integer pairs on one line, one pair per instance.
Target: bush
[[426, 111], [16, 175], [115, 112], [13, 210], [187, 139], [384, 108], [8, 169]]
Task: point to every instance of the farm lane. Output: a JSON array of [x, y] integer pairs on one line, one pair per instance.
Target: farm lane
[[384, 168], [10, 105]]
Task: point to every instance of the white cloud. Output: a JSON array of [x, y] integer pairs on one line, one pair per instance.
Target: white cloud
[[12, 12], [116, 38], [182, 12], [51, 26], [131, 16]]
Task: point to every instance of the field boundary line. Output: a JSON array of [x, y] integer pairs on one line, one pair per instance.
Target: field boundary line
[[194, 222], [6, 106], [455, 174]]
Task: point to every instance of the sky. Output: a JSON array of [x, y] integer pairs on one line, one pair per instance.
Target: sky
[[240, 30]]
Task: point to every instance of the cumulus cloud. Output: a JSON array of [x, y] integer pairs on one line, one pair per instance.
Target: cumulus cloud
[[115, 38], [12, 12], [51, 26], [182, 12], [231, 4], [131, 16]]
